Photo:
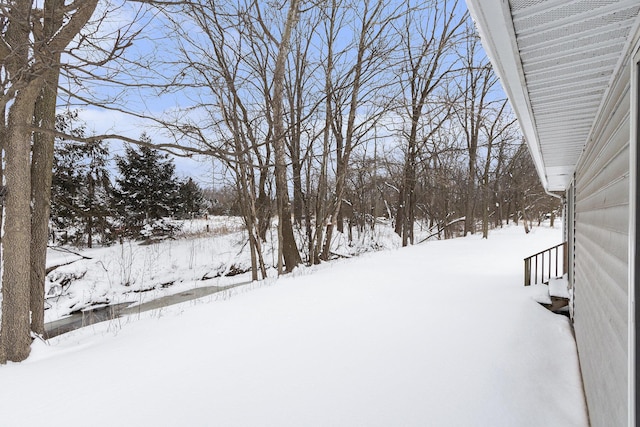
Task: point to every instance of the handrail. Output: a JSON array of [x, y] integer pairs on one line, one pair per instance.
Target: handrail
[[540, 270]]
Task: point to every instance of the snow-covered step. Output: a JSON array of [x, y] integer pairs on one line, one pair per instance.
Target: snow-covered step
[[559, 294]]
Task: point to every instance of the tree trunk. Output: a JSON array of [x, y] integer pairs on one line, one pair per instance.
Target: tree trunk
[[400, 212], [15, 337], [469, 223], [485, 190], [263, 209], [252, 252], [340, 219], [288, 250], [41, 176], [410, 199], [321, 200], [298, 197], [321, 203], [308, 212], [485, 211], [3, 133], [337, 219], [27, 69], [525, 216]]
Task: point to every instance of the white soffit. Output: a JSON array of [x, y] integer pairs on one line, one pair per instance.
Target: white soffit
[[555, 59]]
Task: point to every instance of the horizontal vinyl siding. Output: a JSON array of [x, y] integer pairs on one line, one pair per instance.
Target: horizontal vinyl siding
[[612, 312], [601, 262], [609, 193], [611, 241]]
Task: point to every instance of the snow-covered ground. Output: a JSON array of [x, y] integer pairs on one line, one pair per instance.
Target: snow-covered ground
[[211, 252], [439, 334]]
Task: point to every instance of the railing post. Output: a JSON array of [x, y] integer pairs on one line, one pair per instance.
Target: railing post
[[537, 263]]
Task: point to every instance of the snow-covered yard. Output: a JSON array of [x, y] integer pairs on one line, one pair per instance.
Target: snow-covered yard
[[439, 334]]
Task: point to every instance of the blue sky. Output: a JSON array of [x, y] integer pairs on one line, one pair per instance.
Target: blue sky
[[144, 100]]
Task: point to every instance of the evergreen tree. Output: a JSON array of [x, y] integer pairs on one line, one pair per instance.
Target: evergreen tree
[[146, 190], [81, 188], [95, 199], [190, 199]]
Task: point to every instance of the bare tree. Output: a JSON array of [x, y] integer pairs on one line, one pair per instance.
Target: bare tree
[[498, 134], [529, 201], [241, 61], [332, 24], [29, 52], [359, 90], [288, 254], [39, 43], [430, 36], [227, 63], [475, 86], [303, 98]]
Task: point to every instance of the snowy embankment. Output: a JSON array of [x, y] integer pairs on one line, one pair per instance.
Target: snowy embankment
[[211, 252], [439, 334]]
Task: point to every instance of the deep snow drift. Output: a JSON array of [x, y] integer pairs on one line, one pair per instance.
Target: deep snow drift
[[439, 334]]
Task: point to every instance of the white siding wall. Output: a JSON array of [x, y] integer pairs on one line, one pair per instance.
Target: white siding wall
[[601, 260], [569, 236]]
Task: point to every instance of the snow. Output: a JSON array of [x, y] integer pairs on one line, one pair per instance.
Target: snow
[[202, 255], [438, 334], [559, 287]]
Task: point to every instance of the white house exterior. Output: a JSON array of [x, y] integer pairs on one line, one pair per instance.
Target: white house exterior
[[571, 69]]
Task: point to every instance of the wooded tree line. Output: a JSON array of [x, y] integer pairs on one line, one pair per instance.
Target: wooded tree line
[[340, 111], [87, 205], [390, 108]]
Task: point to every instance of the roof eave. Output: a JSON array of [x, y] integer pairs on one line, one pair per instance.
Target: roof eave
[[495, 26]]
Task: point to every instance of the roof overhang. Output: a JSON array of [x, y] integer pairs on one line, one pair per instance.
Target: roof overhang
[[556, 60]]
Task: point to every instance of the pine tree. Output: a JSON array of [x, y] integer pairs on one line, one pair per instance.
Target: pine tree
[[96, 194], [66, 185], [81, 188], [190, 199], [146, 190]]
